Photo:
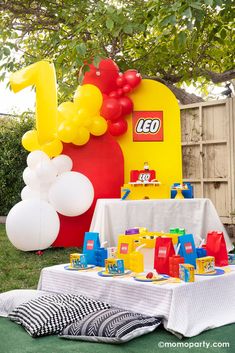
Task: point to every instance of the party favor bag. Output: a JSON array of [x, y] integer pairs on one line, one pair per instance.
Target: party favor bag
[[164, 249], [216, 246], [187, 249]]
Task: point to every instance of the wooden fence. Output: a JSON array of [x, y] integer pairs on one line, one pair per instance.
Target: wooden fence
[[208, 147]]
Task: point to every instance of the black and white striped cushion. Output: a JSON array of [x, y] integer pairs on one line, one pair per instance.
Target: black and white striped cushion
[[50, 314], [111, 326]]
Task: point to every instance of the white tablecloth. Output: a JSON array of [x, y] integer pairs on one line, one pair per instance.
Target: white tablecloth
[[113, 216], [186, 308]]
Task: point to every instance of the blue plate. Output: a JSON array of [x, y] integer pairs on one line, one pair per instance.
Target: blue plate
[[217, 272], [67, 267], [105, 274]]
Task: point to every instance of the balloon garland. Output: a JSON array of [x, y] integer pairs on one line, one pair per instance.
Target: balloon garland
[[101, 103], [114, 86]]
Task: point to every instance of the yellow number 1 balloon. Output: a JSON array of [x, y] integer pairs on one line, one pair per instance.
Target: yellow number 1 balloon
[[42, 75]]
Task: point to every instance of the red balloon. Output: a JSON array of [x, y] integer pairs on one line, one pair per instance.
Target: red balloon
[[104, 77], [120, 92], [105, 96], [127, 88], [132, 77], [120, 81], [111, 109], [126, 104], [113, 94], [117, 128]]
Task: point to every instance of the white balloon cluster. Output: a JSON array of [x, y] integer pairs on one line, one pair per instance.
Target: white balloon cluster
[[41, 173], [51, 187]]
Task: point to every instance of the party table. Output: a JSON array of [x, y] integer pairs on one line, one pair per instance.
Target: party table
[[186, 308], [113, 216]]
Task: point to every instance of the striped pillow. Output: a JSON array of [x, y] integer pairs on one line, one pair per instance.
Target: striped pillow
[[51, 314], [111, 326]]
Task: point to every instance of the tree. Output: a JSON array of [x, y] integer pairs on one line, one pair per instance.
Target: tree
[[12, 159], [172, 41]]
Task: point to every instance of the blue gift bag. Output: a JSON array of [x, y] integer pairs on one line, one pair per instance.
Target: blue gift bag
[[90, 245], [187, 249]]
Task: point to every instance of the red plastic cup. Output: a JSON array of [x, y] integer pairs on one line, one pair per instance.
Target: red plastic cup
[[174, 262]]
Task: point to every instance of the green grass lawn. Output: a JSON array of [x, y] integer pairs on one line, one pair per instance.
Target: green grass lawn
[[20, 269]]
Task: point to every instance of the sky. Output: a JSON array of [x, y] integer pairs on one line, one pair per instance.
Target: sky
[[16, 103]]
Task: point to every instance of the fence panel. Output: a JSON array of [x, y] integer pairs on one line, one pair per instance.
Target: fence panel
[[208, 153]]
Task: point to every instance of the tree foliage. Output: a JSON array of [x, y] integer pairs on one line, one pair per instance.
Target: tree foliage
[[12, 160], [173, 41]]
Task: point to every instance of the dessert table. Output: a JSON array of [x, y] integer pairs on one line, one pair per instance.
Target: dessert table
[[113, 216], [186, 308]]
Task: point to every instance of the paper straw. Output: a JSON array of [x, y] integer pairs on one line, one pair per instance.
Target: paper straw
[[104, 244], [177, 249], [202, 242], [140, 247]]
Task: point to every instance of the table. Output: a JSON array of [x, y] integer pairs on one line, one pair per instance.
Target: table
[[113, 216], [186, 308]]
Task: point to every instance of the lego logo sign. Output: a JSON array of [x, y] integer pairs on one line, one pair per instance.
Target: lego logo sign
[[162, 251], [148, 126], [90, 245], [144, 177], [188, 248], [124, 248]]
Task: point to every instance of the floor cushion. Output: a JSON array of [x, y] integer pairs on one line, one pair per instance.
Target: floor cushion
[[111, 326], [13, 298], [50, 314]]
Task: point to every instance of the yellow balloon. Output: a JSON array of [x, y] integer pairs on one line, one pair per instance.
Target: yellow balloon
[[67, 131], [83, 118], [99, 126], [88, 97], [82, 136], [60, 118], [67, 110], [30, 140], [53, 148]]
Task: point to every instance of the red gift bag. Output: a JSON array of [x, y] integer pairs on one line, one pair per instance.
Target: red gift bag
[[216, 246], [164, 249]]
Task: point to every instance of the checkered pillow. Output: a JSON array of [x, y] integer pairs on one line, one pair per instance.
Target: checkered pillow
[[50, 314], [111, 326]]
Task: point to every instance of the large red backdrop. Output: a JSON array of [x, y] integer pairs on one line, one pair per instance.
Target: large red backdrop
[[101, 160]]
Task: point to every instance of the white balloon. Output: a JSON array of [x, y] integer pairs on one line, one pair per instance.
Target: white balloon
[[71, 194], [36, 157], [29, 193], [62, 163], [32, 225], [30, 178], [46, 172]]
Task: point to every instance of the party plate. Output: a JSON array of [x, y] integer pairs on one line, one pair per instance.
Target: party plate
[[142, 278], [106, 274], [67, 267], [217, 272]]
